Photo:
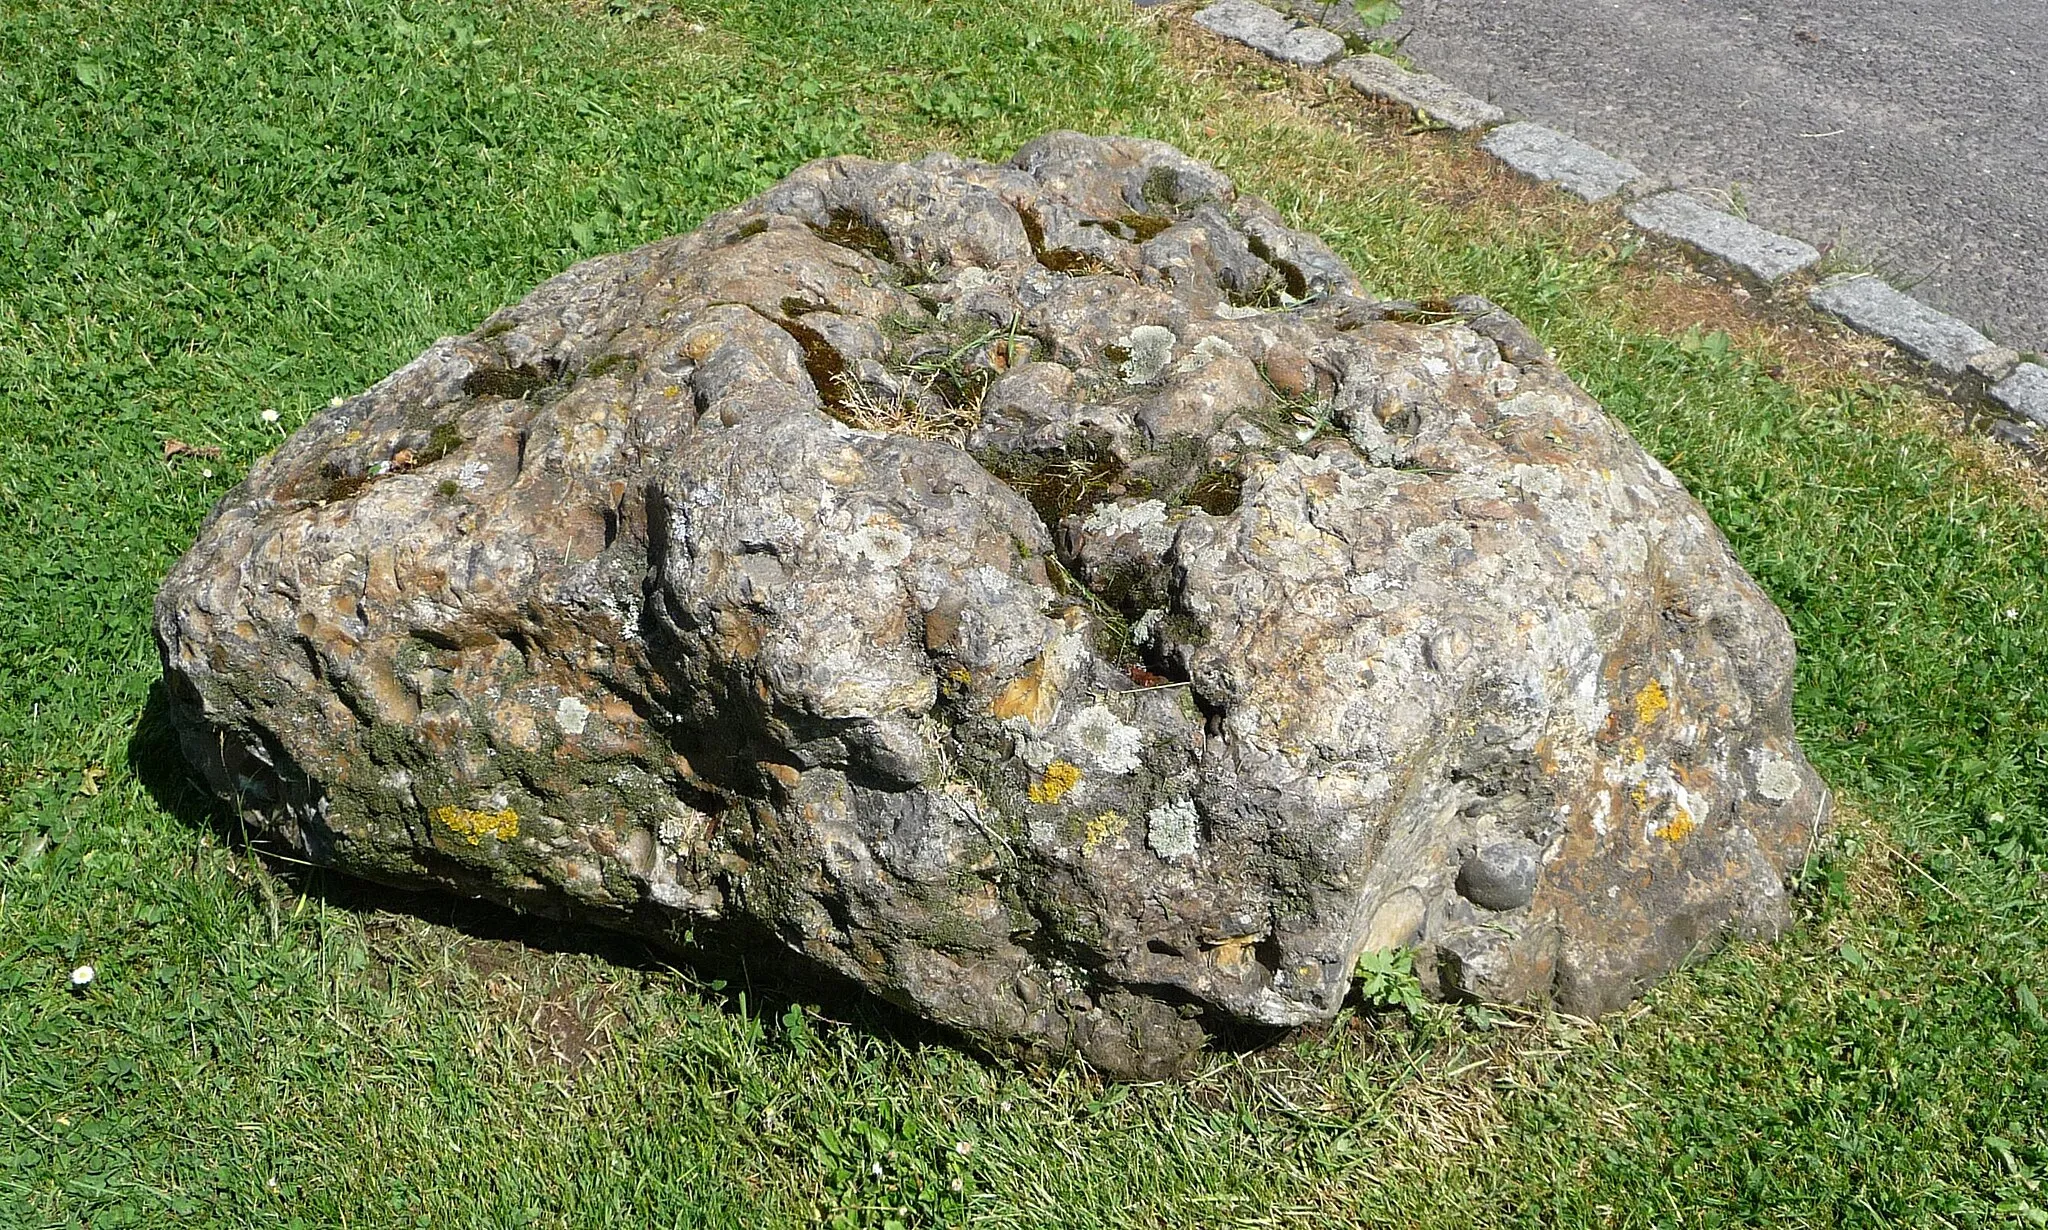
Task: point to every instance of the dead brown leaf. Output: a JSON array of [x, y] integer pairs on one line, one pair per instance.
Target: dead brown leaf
[[175, 447]]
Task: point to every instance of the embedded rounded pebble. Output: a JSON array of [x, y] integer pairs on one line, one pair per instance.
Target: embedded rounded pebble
[[1501, 876]]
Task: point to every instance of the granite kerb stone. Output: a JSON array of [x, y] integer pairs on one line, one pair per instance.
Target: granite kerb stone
[[1551, 156], [1379, 77], [2025, 393], [1871, 305], [1764, 255], [1271, 32]]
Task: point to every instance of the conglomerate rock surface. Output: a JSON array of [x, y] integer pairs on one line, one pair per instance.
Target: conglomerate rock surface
[[1054, 596]]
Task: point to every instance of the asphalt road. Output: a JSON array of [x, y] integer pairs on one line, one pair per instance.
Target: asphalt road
[[1911, 134]]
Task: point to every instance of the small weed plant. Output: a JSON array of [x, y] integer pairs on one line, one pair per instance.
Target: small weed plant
[[1387, 980]]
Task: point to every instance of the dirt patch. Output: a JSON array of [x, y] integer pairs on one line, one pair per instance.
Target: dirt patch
[[557, 1017], [558, 1009], [572, 1034]]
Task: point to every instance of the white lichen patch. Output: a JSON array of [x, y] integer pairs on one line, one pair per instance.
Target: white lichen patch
[[885, 545], [1568, 650], [1571, 525], [1171, 829], [974, 277], [1536, 480], [1365, 584], [1151, 350], [1042, 832], [1104, 741], [571, 715], [1437, 540], [1777, 778], [1146, 518]]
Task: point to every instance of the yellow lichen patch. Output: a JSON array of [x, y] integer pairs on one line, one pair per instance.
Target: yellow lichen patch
[[1101, 828], [1028, 696], [1679, 827], [473, 826], [1650, 702], [1052, 786], [1639, 796], [701, 342], [1233, 953], [843, 468]]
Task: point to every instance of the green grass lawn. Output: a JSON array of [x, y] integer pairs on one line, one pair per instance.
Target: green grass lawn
[[213, 209]]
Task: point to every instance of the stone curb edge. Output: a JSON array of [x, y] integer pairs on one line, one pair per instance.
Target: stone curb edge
[[1969, 369]]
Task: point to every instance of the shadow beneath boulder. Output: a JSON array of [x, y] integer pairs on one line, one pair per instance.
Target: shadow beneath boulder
[[747, 969]]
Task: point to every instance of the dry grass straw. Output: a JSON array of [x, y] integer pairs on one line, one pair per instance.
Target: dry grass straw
[[912, 408]]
